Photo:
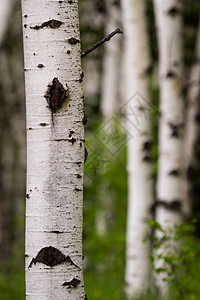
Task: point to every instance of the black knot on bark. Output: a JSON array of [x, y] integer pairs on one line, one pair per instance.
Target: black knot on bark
[[51, 257]]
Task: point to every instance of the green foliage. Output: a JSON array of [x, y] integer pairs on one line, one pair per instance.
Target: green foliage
[[12, 276], [179, 249]]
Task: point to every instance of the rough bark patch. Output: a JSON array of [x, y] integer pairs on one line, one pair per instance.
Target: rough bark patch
[[72, 283], [51, 23], [51, 257]]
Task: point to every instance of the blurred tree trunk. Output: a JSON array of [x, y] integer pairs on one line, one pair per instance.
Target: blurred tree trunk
[[92, 17], [139, 166], [12, 134], [5, 9], [170, 173], [109, 102], [55, 150], [111, 62], [192, 129]]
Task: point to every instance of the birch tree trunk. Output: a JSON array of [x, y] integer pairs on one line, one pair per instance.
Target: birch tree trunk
[[5, 8], [170, 174], [140, 195], [192, 128], [55, 150], [111, 62]]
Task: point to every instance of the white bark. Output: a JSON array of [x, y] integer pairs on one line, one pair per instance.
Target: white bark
[[140, 197], [55, 151], [170, 174], [111, 62], [192, 127], [5, 8]]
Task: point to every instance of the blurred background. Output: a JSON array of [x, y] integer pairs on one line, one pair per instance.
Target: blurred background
[[105, 190]]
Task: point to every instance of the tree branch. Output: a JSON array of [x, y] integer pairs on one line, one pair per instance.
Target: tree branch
[[107, 38]]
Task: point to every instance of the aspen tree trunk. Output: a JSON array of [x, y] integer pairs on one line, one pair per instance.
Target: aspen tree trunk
[[140, 195], [170, 174], [5, 8], [55, 150], [111, 62], [192, 128], [109, 99]]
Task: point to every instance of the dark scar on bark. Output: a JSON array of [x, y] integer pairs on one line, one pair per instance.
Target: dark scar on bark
[[56, 95], [51, 23], [147, 158], [73, 41], [85, 154], [174, 205], [72, 283], [43, 124], [175, 129], [171, 74], [149, 70], [147, 146], [40, 66], [86, 298], [85, 119], [173, 11], [174, 173], [51, 257], [81, 77]]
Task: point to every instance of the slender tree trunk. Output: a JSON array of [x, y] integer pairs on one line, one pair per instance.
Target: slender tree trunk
[[192, 128], [55, 150], [111, 62], [5, 8], [109, 102], [138, 108], [170, 174]]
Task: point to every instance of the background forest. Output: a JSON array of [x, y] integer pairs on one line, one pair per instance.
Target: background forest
[[105, 183]]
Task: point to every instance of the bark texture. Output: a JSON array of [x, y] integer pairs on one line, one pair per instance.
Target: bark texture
[[55, 150], [139, 167], [170, 173]]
